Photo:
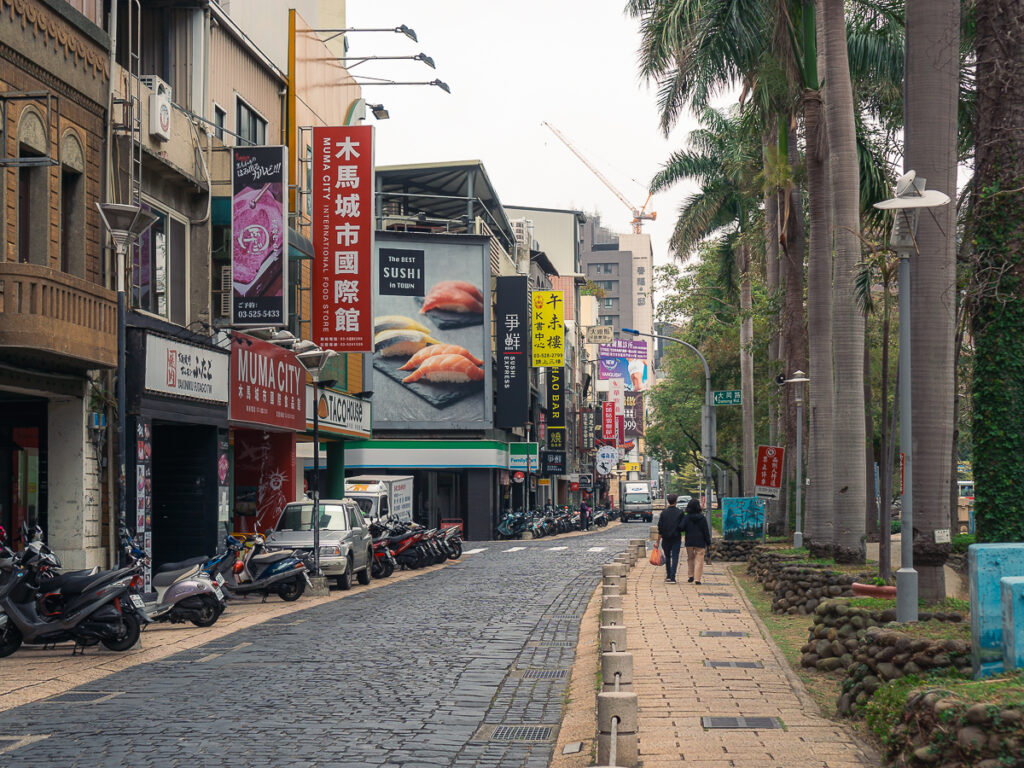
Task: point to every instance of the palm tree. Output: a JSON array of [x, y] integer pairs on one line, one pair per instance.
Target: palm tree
[[930, 109], [848, 459]]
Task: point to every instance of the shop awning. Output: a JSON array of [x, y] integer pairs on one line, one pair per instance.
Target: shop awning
[[299, 247], [427, 454]]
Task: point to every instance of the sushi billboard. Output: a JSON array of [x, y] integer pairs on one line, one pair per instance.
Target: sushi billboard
[[431, 358], [343, 230], [259, 236]]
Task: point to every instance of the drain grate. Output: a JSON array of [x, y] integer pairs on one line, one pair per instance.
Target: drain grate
[[734, 664], [717, 633], [84, 697], [753, 723], [715, 594], [720, 610], [554, 644], [545, 674], [522, 733]]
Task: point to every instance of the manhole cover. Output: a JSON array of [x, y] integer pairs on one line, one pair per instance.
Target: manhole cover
[[522, 733], [717, 633], [720, 610], [545, 674], [84, 697], [734, 664], [753, 723]]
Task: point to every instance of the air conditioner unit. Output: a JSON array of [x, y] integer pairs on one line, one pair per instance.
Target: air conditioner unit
[[224, 294], [159, 107]]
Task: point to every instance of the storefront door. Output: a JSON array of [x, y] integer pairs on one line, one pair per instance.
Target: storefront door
[[184, 487], [22, 463]]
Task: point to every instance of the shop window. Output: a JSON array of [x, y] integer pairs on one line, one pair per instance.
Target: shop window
[[219, 116], [159, 268], [250, 127]]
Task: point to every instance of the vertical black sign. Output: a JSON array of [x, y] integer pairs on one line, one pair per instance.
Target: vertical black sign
[[512, 315], [587, 419], [552, 462], [556, 397], [634, 421], [400, 272], [556, 438]]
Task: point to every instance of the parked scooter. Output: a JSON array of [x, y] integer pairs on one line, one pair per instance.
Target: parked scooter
[[513, 526], [383, 558], [254, 571], [599, 518], [183, 594], [40, 606], [452, 539]]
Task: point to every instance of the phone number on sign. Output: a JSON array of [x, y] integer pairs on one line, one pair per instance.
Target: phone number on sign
[[256, 314]]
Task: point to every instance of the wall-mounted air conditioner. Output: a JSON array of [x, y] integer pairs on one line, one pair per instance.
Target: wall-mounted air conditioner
[[159, 107]]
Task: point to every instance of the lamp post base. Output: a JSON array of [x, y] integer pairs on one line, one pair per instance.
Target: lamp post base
[[318, 586], [798, 539], [906, 595]]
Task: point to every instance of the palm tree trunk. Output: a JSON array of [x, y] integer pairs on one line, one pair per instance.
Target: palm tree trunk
[[771, 218], [847, 330], [871, 508], [931, 93], [746, 368], [820, 517], [793, 327]]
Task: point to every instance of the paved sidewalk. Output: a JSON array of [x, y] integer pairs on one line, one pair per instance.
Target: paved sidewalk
[[676, 688]]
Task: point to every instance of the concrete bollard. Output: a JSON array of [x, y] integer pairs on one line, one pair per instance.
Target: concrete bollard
[[623, 706], [613, 569], [617, 663], [611, 590], [611, 616], [653, 535], [611, 601], [613, 634], [615, 581]]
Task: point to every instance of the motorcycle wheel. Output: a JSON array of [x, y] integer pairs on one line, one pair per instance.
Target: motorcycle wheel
[[292, 590], [378, 567], [10, 640], [387, 569], [345, 580], [456, 550], [602, 523], [209, 613], [128, 638]]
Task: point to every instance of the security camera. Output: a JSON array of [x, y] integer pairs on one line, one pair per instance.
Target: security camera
[[780, 379]]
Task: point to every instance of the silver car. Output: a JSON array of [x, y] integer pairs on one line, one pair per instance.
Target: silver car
[[346, 546]]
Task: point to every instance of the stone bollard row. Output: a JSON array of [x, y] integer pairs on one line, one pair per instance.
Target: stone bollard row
[[617, 706]]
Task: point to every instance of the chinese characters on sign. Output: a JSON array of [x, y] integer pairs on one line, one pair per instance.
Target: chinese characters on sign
[[552, 462], [556, 438], [259, 236], [512, 341], [587, 427], [608, 420], [343, 237], [548, 329], [268, 386], [634, 413], [768, 472]]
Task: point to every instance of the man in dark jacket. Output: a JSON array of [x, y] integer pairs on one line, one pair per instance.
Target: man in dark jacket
[[698, 540], [670, 531]]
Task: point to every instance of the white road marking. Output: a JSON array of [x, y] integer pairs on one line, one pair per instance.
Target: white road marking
[[555, 549], [474, 551], [514, 549], [597, 549], [17, 742]]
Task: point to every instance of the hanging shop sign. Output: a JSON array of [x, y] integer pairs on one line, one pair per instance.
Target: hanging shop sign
[[608, 420], [268, 385], [587, 425], [552, 463], [586, 481], [634, 413], [548, 323], [556, 397], [522, 456], [512, 306], [556, 438], [174, 367], [607, 458], [259, 236], [338, 413], [599, 334], [518, 477], [343, 202]]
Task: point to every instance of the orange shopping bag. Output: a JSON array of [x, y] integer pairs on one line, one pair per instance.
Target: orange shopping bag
[[656, 556]]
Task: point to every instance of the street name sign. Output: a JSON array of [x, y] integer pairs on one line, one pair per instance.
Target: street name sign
[[728, 397]]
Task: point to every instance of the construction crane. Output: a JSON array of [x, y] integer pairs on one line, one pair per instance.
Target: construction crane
[[640, 215]]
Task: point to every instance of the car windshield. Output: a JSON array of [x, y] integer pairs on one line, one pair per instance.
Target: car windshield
[[297, 517], [365, 505], [638, 498]]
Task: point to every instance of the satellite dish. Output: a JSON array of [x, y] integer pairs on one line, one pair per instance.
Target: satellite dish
[[905, 183]]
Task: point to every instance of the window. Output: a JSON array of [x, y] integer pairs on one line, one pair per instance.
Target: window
[[298, 517], [219, 115], [603, 269], [609, 319], [72, 206], [355, 520], [250, 127], [609, 285], [608, 303], [159, 266]]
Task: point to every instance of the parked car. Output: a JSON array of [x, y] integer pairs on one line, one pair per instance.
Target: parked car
[[346, 546]]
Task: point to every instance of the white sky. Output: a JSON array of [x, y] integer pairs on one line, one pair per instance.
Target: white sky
[[511, 65]]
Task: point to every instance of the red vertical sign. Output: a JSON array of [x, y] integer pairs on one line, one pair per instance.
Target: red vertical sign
[[608, 420], [620, 429], [768, 472], [343, 204]]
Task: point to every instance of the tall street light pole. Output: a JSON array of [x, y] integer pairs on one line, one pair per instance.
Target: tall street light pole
[[708, 438], [800, 379], [910, 194]]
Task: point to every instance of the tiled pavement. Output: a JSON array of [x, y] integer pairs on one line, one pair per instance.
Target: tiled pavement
[[676, 689]]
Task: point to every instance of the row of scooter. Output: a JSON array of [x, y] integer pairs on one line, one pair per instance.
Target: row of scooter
[[400, 544], [550, 522]]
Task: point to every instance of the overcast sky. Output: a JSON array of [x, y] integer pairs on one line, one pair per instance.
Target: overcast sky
[[510, 66]]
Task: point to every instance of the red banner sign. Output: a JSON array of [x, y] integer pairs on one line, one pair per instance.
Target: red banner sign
[[343, 238], [608, 422], [268, 385], [768, 473]]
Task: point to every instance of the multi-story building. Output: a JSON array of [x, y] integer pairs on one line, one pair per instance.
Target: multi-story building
[[622, 267]]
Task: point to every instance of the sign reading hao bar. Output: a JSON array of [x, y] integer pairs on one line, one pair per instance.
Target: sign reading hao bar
[[268, 385]]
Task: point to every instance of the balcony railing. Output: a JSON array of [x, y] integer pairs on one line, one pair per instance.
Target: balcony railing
[[57, 318]]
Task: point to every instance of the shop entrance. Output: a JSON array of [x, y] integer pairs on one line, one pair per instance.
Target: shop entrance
[[23, 465], [184, 480]]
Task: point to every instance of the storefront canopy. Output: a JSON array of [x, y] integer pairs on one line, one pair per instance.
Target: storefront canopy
[[427, 454]]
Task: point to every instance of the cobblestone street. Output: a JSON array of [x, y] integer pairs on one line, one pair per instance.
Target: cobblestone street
[[419, 673]]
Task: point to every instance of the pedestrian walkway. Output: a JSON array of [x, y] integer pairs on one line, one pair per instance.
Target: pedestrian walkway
[[683, 674]]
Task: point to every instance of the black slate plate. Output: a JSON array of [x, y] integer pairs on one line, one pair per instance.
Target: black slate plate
[[439, 395], [446, 320]]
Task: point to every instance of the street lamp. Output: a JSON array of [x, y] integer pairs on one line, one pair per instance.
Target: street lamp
[[429, 61], [799, 378], [314, 359], [910, 195], [382, 81], [400, 29], [708, 437], [125, 223]]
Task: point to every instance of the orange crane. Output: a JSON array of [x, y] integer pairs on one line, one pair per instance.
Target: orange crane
[[640, 215]]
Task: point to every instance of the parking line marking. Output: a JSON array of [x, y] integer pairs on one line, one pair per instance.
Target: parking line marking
[[474, 551], [555, 549], [514, 549], [597, 549]]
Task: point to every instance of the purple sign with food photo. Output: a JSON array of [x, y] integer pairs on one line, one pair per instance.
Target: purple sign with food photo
[[259, 236]]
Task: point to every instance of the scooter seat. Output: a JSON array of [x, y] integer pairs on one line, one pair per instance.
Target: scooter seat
[[270, 557], [70, 583], [182, 564], [166, 578]]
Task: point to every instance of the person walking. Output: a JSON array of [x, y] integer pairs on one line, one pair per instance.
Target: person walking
[[670, 531], [584, 516], [698, 540]]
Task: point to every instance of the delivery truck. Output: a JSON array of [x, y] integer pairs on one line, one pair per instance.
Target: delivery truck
[[381, 496], [636, 501]]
